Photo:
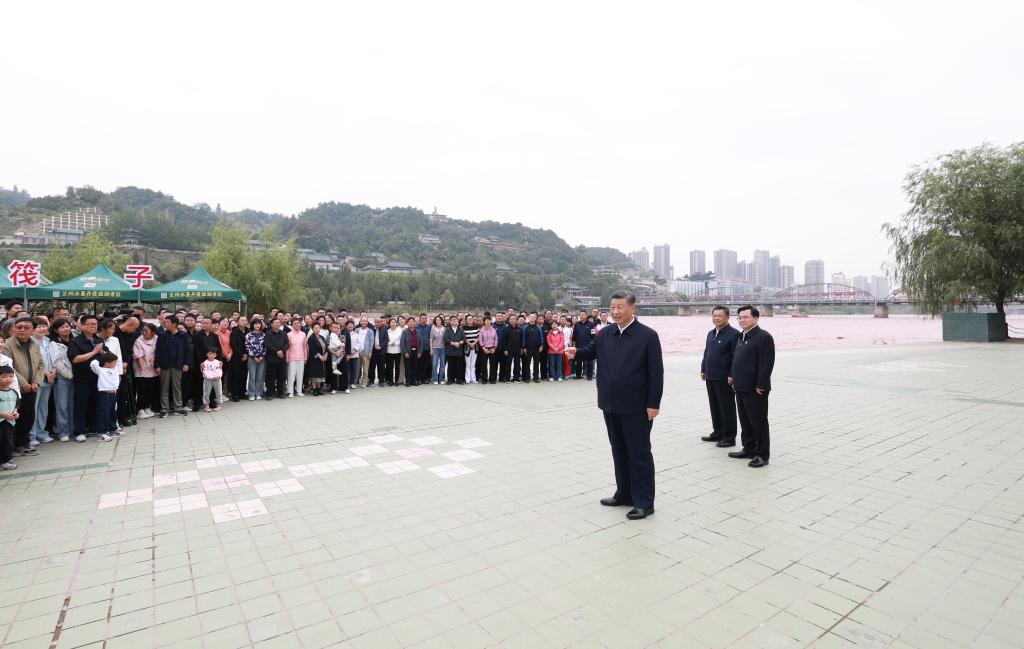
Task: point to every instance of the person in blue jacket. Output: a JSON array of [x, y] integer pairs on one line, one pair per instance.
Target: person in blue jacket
[[715, 370], [629, 390]]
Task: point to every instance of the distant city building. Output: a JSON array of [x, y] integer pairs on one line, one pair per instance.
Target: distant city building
[[861, 283], [697, 263], [880, 286], [774, 263], [437, 217], [761, 258], [725, 264], [787, 277], [840, 278], [430, 240], [743, 270], [641, 258], [814, 272], [130, 238], [689, 288], [663, 260]]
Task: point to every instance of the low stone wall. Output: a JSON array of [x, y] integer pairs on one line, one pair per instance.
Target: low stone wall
[[974, 327]]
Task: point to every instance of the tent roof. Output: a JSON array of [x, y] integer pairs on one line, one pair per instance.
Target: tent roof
[[99, 283], [197, 286]]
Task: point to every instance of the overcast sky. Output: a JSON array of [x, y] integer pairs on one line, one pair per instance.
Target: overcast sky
[[740, 125]]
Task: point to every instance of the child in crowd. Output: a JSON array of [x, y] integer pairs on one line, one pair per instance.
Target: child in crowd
[[9, 401], [106, 367], [556, 346], [213, 370]]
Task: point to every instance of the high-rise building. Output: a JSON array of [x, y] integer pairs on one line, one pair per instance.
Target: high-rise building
[[725, 264], [697, 263], [814, 272], [663, 260], [861, 283], [761, 267], [741, 270], [840, 279], [880, 286], [786, 277], [774, 263], [641, 258]]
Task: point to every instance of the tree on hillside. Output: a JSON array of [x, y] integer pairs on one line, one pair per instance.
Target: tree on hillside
[[270, 277], [62, 262], [961, 243]]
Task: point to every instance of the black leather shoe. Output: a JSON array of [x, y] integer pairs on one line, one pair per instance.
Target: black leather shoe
[[710, 438], [741, 455], [613, 502], [161, 415], [757, 463], [724, 443], [636, 513]]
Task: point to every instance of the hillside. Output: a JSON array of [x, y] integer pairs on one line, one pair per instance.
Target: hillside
[[363, 234]]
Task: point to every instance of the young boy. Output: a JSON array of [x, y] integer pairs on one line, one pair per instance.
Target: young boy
[[105, 367], [9, 401], [213, 370]]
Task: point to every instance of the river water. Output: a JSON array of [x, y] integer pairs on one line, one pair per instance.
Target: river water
[[686, 335]]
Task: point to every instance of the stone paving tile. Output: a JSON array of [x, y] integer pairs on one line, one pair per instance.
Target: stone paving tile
[[468, 517]]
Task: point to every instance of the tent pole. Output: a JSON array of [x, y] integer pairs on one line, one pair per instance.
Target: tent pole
[[24, 293]]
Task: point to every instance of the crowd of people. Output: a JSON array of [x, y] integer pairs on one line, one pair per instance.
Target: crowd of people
[[67, 376]]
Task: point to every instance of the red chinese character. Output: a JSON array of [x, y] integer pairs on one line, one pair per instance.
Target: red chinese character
[[136, 275], [23, 273]]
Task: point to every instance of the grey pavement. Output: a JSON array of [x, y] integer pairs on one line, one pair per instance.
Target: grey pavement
[[468, 516]]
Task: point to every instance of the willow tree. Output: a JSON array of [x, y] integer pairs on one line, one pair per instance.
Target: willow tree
[[961, 243]]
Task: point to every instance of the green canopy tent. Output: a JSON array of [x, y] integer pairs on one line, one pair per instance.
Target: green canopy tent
[[8, 292], [197, 286], [99, 284]]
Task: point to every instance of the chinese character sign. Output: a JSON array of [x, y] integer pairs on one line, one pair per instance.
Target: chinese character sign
[[23, 273], [137, 274]]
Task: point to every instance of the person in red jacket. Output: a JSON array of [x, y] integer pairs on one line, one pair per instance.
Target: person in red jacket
[[556, 346]]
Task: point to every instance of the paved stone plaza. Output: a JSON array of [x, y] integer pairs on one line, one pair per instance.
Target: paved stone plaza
[[468, 516]]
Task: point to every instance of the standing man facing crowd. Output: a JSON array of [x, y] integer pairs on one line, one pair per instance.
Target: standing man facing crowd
[[629, 389], [715, 369], [752, 380]]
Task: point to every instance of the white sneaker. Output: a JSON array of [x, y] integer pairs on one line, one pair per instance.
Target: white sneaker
[[252, 398], [33, 443], [336, 372], [65, 438], [142, 414], [46, 440], [120, 433], [302, 394], [8, 466], [260, 398], [348, 391], [79, 438], [103, 437]]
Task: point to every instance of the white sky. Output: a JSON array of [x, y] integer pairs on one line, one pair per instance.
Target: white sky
[[741, 125]]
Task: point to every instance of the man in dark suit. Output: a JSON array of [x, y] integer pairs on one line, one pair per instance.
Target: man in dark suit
[[715, 368], [751, 379], [629, 389]]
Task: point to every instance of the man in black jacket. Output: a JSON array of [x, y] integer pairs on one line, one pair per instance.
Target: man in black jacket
[[533, 349], [276, 342], [751, 379], [629, 389], [715, 368], [238, 365]]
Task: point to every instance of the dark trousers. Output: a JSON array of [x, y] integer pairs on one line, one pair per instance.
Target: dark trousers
[[532, 365], [85, 407], [26, 418], [106, 412], [378, 367], [275, 377], [722, 401], [583, 367], [411, 364], [392, 368], [423, 368], [6, 441], [753, 409], [148, 390], [542, 358], [456, 368], [237, 376], [630, 438], [126, 399], [512, 367], [339, 382], [488, 364]]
